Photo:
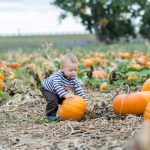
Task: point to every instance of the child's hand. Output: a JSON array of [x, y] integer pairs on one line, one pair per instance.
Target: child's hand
[[68, 96]]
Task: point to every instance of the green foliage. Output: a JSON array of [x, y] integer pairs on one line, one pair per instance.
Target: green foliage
[[3, 95], [123, 72], [110, 20]]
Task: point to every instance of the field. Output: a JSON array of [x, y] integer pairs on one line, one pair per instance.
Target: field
[[105, 71]]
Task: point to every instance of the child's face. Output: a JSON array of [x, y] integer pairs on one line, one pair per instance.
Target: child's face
[[70, 69]]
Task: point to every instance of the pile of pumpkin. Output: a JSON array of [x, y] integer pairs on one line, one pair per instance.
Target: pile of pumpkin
[[136, 103]]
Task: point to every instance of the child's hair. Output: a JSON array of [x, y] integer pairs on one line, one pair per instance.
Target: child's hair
[[69, 57]]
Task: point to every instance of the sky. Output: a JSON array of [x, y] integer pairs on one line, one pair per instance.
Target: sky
[[34, 17]]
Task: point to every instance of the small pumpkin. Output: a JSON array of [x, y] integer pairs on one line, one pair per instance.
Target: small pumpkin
[[2, 77], [132, 103], [99, 74], [14, 65], [142, 60], [148, 64], [1, 84], [146, 85], [124, 55], [147, 113], [72, 109], [104, 86], [87, 62], [132, 76], [135, 66]]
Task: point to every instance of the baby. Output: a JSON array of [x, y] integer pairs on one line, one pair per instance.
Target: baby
[[57, 87]]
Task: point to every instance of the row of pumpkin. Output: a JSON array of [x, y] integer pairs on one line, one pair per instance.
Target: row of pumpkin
[[138, 58]]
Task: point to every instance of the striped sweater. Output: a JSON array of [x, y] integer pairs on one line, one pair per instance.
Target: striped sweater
[[60, 85]]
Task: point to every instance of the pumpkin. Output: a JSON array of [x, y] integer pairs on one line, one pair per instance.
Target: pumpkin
[[97, 59], [142, 60], [135, 66], [2, 77], [87, 62], [124, 55], [14, 65], [132, 103], [1, 84], [99, 74], [72, 109], [146, 96], [132, 76], [148, 64], [147, 113], [146, 85], [103, 86]]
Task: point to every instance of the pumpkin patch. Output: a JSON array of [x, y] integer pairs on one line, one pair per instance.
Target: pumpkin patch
[[108, 120]]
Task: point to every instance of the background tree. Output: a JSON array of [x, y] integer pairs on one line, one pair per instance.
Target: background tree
[[108, 19], [145, 23]]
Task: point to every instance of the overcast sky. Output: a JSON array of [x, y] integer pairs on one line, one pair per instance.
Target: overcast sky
[[34, 16]]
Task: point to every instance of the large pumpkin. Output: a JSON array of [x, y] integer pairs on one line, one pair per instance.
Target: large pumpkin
[[72, 109], [147, 113], [146, 85], [133, 103]]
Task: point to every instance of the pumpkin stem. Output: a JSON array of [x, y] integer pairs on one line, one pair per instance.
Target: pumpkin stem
[[127, 89], [117, 92], [89, 72]]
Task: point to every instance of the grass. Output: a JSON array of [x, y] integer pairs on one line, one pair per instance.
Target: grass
[[65, 42], [30, 43]]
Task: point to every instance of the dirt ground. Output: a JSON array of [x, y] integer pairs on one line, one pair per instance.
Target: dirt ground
[[23, 127]]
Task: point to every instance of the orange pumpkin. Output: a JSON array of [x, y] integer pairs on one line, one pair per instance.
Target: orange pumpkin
[[142, 60], [124, 55], [2, 77], [97, 59], [72, 109], [14, 65], [147, 113], [99, 74], [146, 96], [132, 103], [135, 66], [1, 84], [87, 62], [146, 85], [148, 64]]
